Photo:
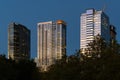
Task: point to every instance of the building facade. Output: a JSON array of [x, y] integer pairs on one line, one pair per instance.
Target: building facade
[[93, 22], [113, 33], [18, 42], [51, 43]]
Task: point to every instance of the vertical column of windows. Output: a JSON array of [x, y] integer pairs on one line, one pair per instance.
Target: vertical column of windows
[[83, 31], [63, 40], [53, 53], [97, 22], [42, 44], [89, 28]]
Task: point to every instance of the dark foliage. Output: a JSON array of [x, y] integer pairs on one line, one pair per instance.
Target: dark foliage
[[104, 67], [22, 70]]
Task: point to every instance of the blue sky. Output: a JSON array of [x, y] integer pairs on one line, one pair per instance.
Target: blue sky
[[30, 12]]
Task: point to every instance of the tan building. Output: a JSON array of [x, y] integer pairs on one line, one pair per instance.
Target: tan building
[[51, 43]]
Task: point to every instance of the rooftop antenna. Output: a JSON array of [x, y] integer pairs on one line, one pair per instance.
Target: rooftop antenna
[[104, 7]]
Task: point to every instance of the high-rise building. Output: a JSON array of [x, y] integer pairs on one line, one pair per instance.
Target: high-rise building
[[18, 42], [113, 33], [51, 43], [93, 22]]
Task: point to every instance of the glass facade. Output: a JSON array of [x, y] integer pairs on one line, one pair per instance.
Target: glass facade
[[51, 42], [113, 34], [93, 23], [18, 42]]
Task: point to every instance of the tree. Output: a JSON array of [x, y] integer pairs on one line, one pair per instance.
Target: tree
[[64, 69], [95, 47], [107, 66], [23, 70]]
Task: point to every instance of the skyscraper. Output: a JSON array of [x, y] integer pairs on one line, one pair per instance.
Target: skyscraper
[[113, 33], [93, 22], [51, 42], [18, 42]]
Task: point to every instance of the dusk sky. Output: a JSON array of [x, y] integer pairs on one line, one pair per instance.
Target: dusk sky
[[30, 12]]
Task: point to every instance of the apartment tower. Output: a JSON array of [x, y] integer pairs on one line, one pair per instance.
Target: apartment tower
[[51, 43], [18, 42], [93, 22], [113, 33]]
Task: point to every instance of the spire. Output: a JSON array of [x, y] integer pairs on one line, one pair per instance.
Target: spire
[[104, 7]]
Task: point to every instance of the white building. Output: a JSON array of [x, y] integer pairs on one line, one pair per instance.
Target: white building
[[93, 23]]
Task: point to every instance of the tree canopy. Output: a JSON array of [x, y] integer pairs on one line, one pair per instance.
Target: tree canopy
[[103, 67], [104, 64], [22, 70]]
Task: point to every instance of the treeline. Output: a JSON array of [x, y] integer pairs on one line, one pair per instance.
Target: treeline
[[104, 68], [103, 63], [22, 70]]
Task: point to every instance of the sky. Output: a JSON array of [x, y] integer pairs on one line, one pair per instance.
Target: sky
[[31, 12]]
